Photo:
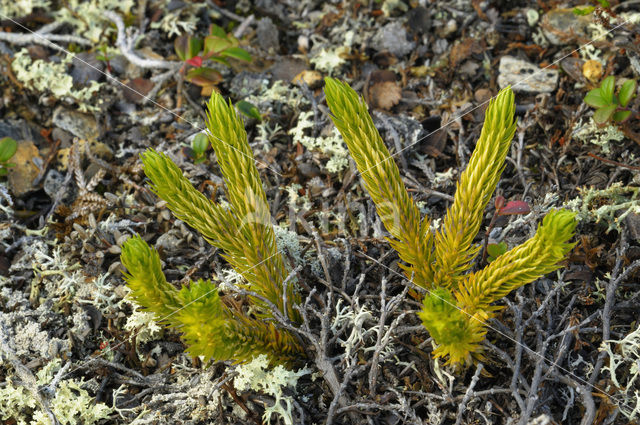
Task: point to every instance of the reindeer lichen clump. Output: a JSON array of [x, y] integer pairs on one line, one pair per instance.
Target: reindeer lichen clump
[[457, 304]]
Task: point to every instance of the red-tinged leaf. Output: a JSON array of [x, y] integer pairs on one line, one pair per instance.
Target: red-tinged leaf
[[515, 207], [136, 90], [500, 202], [204, 76], [195, 61], [187, 47]]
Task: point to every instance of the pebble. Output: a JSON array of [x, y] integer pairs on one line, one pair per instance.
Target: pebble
[[562, 26], [267, 35], [53, 183], [82, 73], [526, 77], [25, 171], [393, 37], [80, 125], [245, 84]]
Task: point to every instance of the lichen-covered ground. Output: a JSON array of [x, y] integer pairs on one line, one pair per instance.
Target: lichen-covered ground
[[74, 349]]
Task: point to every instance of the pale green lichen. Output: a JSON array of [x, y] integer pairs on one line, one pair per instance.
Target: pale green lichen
[[18, 8], [609, 206], [71, 405], [257, 376], [589, 132], [331, 146], [179, 21], [42, 76], [624, 372], [329, 60], [145, 324], [87, 17]]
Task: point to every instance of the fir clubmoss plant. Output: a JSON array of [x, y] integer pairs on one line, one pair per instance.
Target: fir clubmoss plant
[[213, 327], [458, 303]]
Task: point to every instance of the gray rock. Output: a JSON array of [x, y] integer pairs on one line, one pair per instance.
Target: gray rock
[[526, 77], [246, 84], [20, 130], [65, 138], [80, 125], [393, 37], [86, 68], [267, 34], [118, 64], [562, 26], [53, 183]]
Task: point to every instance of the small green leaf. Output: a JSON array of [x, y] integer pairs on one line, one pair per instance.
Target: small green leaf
[[620, 116], [200, 143], [220, 60], [607, 87], [217, 31], [594, 98], [248, 109], [3, 171], [238, 53], [627, 92], [495, 250], [583, 10], [214, 44], [602, 115], [604, 3], [8, 148]]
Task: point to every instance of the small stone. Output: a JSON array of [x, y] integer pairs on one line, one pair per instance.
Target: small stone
[[449, 28], [118, 64], [168, 242], [286, 69], [393, 37], [526, 77], [86, 68], [632, 221], [65, 138], [419, 20], [562, 26], [245, 84], [53, 183], [592, 70], [267, 35], [311, 78], [80, 125], [25, 171]]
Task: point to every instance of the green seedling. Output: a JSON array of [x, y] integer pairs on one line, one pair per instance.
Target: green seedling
[[199, 146], [215, 325], [8, 148], [218, 46], [610, 107], [458, 302], [104, 57]]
